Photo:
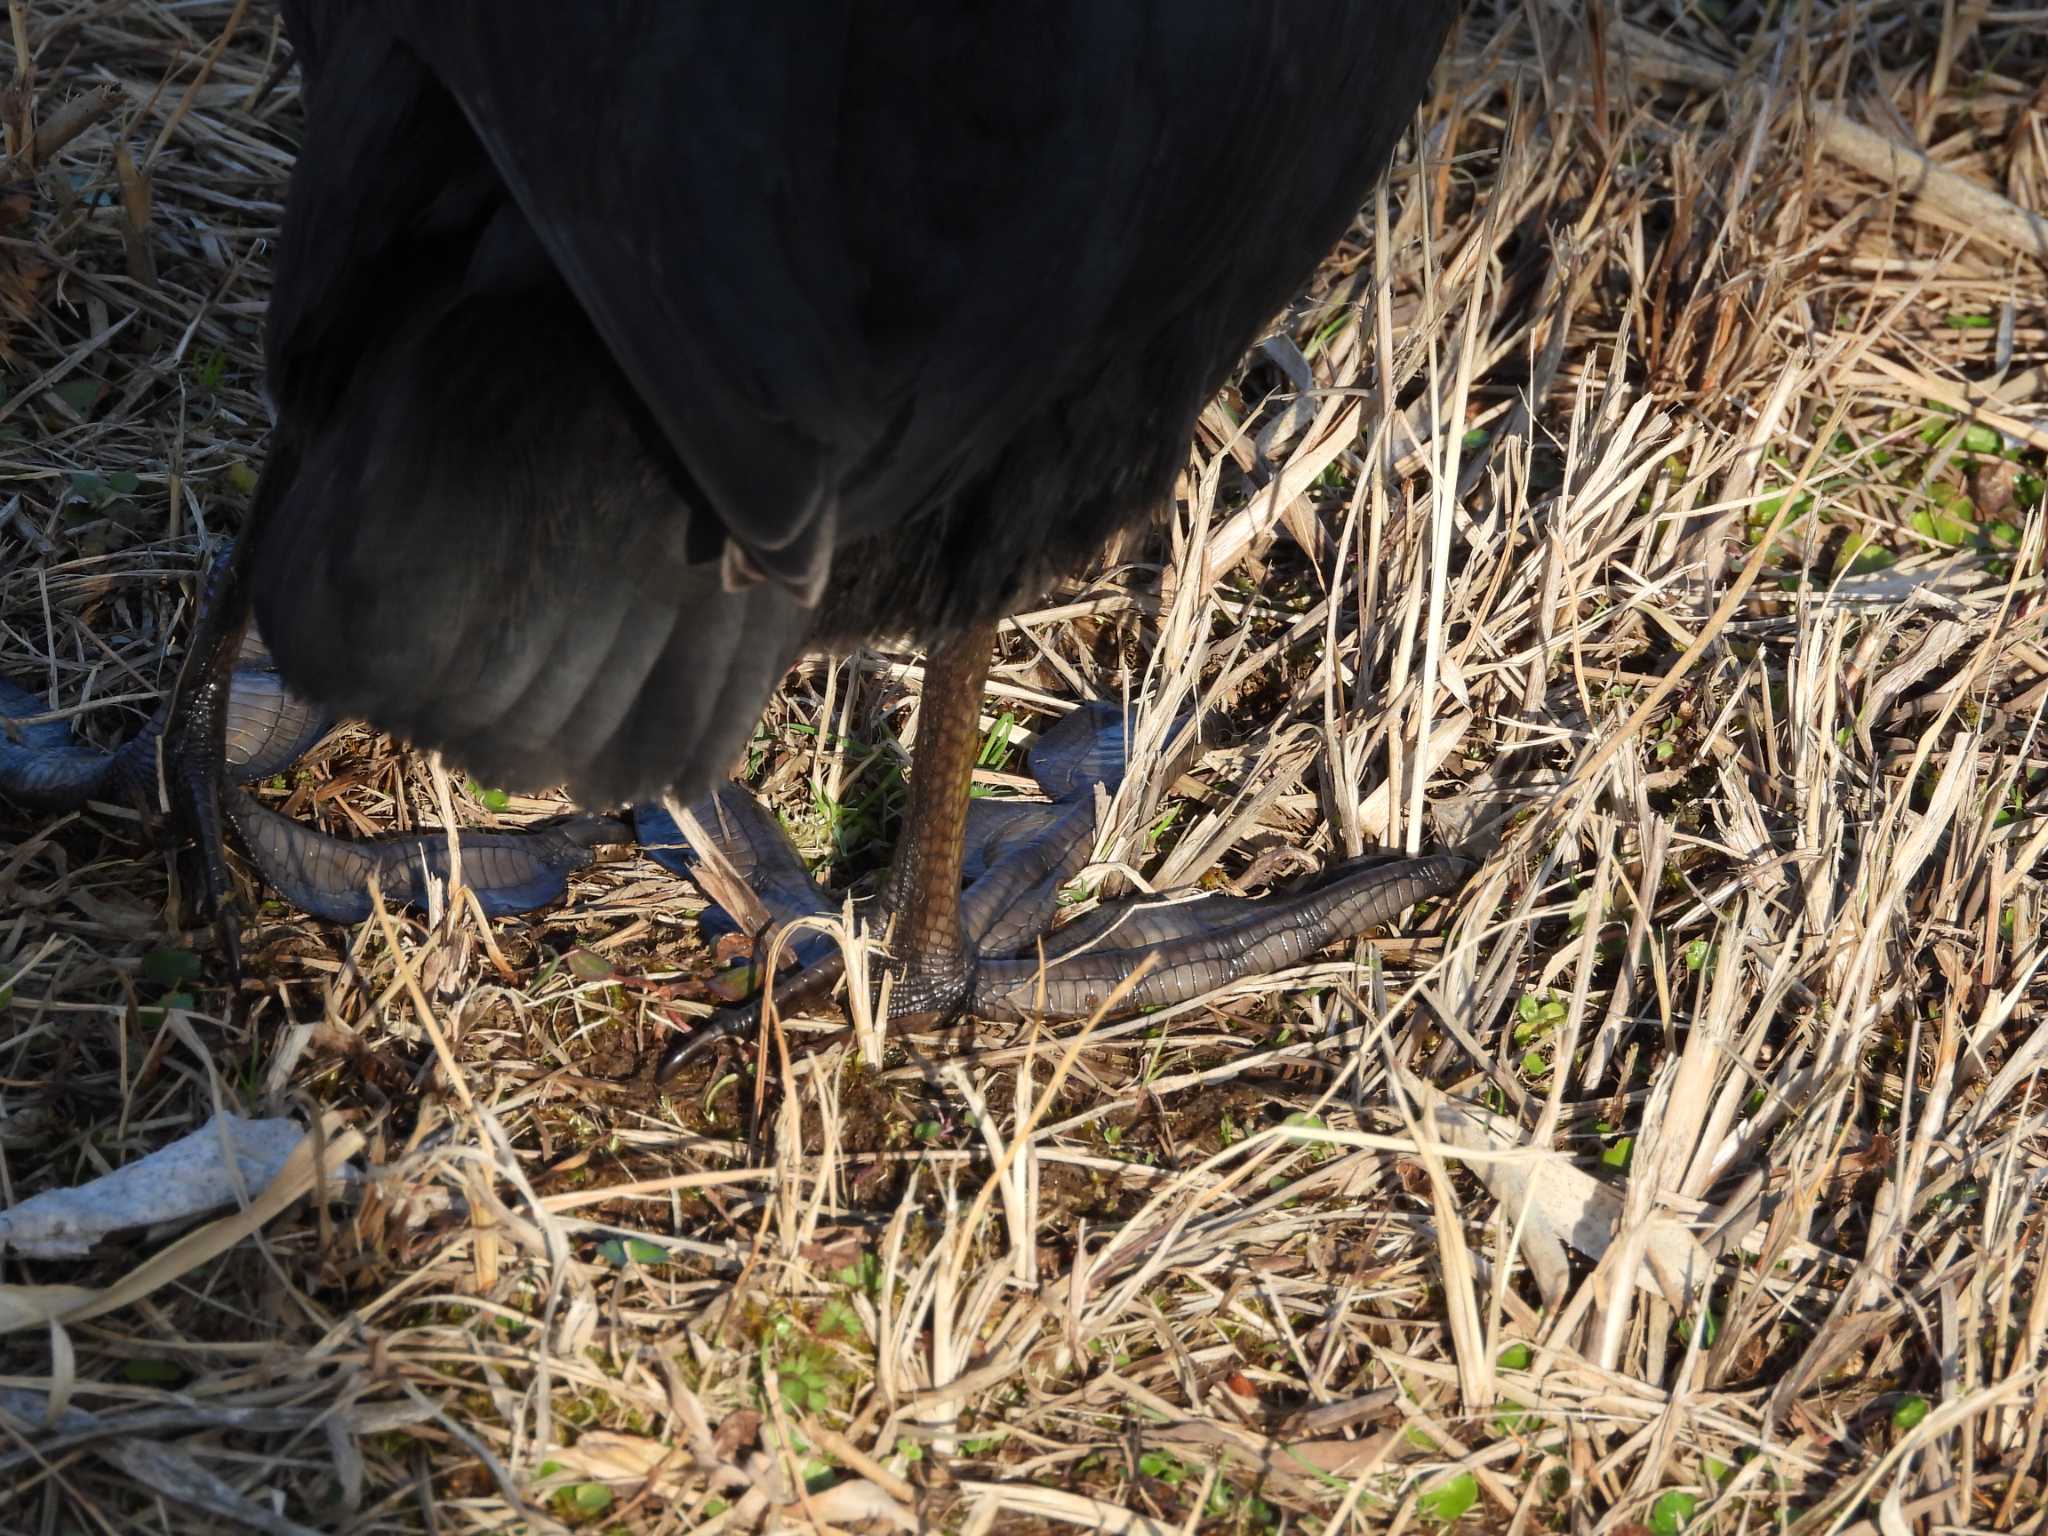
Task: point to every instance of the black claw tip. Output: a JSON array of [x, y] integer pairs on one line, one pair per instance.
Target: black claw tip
[[709, 1035]]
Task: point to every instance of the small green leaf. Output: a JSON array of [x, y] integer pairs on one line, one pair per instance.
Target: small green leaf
[[590, 1498], [1766, 509], [1514, 1419], [1967, 322], [1672, 1511], [639, 1250], [1866, 558], [838, 1317], [796, 1389], [1911, 1410], [853, 1274], [493, 800], [997, 746], [210, 369], [1447, 1501], [1302, 1121], [587, 965], [168, 967], [154, 1016], [1708, 1334], [1981, 440], [1162, 1466], [1940, 527], [1618, 1154], [1516, 1357], [864, 1273], [150, 1373], [1538, 1016], [80, 394], [125, 482]]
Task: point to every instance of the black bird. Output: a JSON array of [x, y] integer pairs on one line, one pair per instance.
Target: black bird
[[623, 351]]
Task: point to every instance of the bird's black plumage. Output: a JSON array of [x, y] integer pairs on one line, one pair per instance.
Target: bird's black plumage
[[622, 349]]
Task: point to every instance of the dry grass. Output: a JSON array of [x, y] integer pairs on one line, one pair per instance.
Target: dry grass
[[1688, 1166]]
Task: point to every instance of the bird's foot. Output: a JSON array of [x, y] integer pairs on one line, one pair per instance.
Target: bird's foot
[[916, 991], [1146, 953], [1157, 952]]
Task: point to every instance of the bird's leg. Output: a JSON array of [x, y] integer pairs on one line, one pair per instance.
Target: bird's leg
[[1017, 965], [194, 741], [933, 963]]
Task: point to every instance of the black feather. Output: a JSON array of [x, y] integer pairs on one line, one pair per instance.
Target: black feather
[[919, 299]]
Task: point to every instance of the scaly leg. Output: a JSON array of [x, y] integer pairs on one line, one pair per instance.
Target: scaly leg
[[194, 742], [932, 961], [995, 952], [934, 966]]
